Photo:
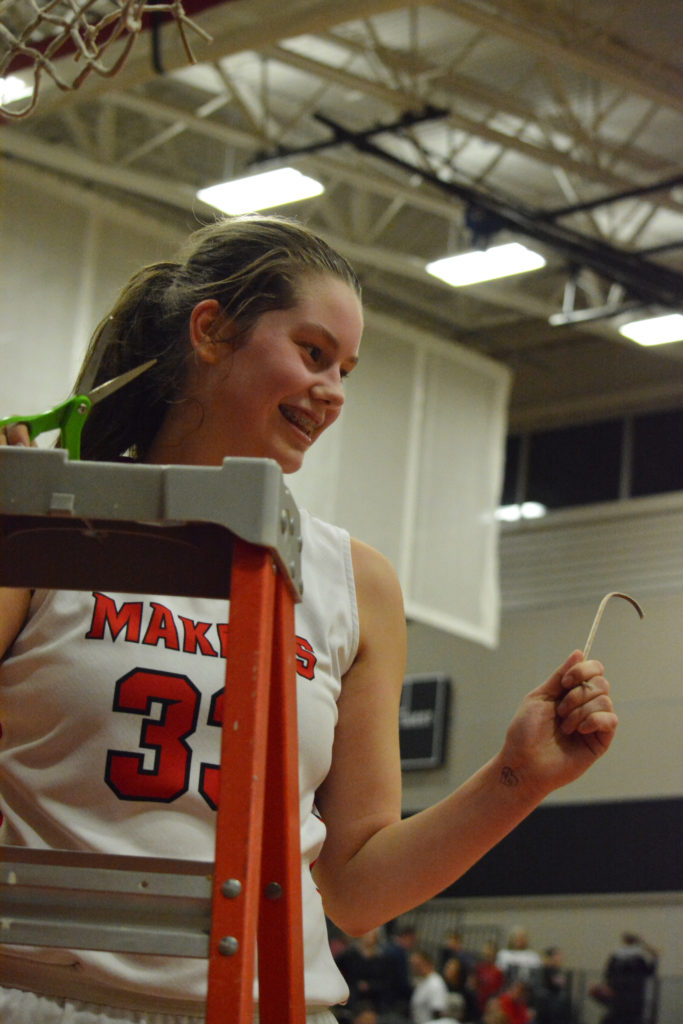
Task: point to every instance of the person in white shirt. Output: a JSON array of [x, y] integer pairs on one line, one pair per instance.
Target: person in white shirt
[[429, 1000], [518, 961]]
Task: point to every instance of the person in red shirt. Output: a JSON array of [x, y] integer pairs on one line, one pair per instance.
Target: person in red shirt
[[487, 978], [514, 1004]]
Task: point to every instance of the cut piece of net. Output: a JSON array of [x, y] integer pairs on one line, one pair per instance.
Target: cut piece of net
[[69, 39]]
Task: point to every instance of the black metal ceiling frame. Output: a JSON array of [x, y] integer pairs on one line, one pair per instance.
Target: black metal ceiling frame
[[644, 281]]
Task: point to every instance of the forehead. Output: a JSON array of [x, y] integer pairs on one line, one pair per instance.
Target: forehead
[[333, 305], [326, 287]]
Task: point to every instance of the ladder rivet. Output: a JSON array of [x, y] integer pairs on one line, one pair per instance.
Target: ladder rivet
[[228, 946], [231, 888], [273, 891]]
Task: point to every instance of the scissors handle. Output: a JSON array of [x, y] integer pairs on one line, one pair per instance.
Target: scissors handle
[[68, 418]]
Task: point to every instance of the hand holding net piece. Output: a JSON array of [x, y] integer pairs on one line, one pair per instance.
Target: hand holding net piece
[[97, 35], [598, 616]]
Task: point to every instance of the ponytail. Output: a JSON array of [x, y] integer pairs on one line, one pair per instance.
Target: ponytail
[[139, 328]]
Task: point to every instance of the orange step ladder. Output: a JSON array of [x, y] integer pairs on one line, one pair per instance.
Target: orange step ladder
[[228, 532]]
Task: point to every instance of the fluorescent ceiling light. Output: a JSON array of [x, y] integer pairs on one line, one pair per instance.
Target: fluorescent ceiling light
[[13, 88], [657, 330], [261, 191], [527, 510], [486, 264]]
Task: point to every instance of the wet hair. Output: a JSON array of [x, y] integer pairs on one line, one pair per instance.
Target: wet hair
[[251, 265]]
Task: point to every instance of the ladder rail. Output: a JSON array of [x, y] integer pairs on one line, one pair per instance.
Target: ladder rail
[[252, 890], [281, 953]]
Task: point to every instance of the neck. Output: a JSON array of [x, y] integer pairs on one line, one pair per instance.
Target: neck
[[182, 440]]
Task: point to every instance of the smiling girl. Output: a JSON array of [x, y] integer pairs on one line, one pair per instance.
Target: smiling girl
[[253, 330]]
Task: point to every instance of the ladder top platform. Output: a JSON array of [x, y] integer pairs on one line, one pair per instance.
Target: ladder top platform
[[246, 497]]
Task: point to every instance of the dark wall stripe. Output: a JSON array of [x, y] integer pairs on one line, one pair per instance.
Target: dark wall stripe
[[633, 846]]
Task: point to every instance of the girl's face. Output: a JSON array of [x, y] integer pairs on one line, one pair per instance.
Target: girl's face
[[274, 395]]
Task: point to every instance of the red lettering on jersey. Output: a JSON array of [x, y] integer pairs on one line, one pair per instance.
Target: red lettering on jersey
[[223, 632], [209, 774], [162, 628], [163, 735], [305, 658], [194, 634], [128, 617]]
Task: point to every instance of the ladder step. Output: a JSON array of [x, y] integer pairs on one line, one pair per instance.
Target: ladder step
[[90, 901]]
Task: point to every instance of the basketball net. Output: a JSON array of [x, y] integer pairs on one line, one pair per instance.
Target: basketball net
[[96, 35]]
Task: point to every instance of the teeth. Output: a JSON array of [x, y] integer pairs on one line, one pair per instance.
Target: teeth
[[299, 419]]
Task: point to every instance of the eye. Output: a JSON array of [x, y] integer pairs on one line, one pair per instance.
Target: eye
[[314, 351]]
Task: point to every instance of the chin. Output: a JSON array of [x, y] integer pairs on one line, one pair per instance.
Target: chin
[[291, 462]]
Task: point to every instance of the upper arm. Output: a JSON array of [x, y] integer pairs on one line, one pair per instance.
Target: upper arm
[[362, 792], [14, 604]]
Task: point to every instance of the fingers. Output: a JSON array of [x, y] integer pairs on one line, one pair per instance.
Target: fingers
[[581, 705], [554, 686], [584, 711], [574, 658], [586, 707], [580, 672], [16, 434], [586, 689]]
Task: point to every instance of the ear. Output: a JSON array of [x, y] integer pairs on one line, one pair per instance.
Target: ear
[[206, 323]]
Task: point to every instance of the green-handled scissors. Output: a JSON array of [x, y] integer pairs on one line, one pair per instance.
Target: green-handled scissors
[[69, 417]]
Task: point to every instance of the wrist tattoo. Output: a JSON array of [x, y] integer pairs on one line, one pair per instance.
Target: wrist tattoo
[[508, 777]]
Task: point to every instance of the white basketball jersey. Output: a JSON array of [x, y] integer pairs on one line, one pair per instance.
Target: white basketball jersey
[[111, 740]]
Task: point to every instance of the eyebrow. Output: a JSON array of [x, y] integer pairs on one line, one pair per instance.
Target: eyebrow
[[320, 329]]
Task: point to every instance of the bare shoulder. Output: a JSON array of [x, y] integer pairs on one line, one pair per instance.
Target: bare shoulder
[[375, 578], [381, 616], [14, 603]]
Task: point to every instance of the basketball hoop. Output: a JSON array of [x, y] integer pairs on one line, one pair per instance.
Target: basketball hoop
[[97, 36]]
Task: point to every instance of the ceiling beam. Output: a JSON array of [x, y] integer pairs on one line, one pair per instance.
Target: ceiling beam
[[154, 110], [403, 100], [234, 27], [62, 160], [643, 279], [625, 68]]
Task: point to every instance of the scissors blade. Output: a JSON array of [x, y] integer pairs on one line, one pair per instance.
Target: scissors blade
[[105, 337], [110, 386]]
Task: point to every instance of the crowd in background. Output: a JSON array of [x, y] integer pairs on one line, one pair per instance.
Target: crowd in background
[[394, 978]]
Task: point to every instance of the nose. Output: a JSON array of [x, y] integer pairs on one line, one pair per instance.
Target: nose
[[329, 388]]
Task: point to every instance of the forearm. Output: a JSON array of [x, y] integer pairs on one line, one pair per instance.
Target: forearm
[[409, 861], [375, 865]]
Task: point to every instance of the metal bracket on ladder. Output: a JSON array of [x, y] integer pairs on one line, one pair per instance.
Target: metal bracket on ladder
[[94, 901], [233, 531]]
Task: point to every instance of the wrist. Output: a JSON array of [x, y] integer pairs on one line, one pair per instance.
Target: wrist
[[520, 781]]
